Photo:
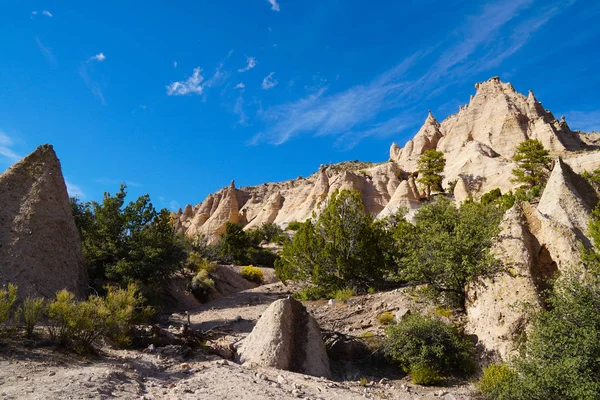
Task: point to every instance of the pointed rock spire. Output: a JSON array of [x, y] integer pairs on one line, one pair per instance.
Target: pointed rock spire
[[40, 248]]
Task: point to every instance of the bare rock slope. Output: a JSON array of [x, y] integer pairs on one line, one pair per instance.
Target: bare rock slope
[[40, 249], [478, 143]]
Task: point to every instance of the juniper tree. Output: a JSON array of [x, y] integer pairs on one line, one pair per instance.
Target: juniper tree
[[430, 167]]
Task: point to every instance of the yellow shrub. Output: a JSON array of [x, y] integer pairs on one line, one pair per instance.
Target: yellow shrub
[[32, 311], [8, 297], [385, 318], [252, 273]]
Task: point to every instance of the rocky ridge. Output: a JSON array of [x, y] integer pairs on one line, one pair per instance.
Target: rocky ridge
[[478, 143]]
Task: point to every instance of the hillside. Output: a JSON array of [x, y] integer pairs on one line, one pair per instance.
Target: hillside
[[478, 143]]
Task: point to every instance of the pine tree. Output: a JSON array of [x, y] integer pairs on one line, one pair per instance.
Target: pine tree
[[533, 163], [430, 168]]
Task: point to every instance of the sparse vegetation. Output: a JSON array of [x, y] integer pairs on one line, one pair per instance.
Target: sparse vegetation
[[294, 226], [343, 294]]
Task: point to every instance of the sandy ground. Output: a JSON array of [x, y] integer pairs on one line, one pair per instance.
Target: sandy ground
[[33, 371]]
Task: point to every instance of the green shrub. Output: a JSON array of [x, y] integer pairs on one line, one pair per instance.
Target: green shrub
[[294, 226], [120, 310], [491, 196], [343, 294], [425, 376], [198, 263], [310, 293], [8, 297], [496, 381], [385, 318], [371, 290], [31, 311], [252, 273], [79, 325], [419, 341]]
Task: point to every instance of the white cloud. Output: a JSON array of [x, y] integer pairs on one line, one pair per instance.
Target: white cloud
[[250, 63], [218, 78], [34, 13], [74, 190], [98, 57], [274, 5], [193, 85], [238, 109], [174, 64], [478, 44], [5, 148], [47, 13], [269, 82], [240, 86]]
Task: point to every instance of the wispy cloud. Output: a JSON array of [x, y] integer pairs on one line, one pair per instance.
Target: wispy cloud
[[269, 82], [47, 53], [47, 13], [5, 148], [240, 86], [192, 85], [250, 63], [274, 5], [238, 109], [473, 47], [218, 77], [98, 57], [174, 205], [74, 190], [585, 121], [174, 64], [91, 84]]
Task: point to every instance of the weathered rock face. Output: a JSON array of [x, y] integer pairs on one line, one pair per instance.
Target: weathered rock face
[[535, 244], [40, 249], [287, 337], [478, 143]]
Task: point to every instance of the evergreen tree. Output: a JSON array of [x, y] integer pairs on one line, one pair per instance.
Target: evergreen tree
[[341, 249], [127, 243], [533, 163], [430, 167], [448, 247]]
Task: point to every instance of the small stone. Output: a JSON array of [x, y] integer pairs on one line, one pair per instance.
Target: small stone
[[184, 366], [330, 302], [52, 373], [441, 393], [281, 380]]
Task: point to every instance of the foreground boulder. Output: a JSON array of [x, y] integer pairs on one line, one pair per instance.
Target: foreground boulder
[[287, 337], [40, 249]]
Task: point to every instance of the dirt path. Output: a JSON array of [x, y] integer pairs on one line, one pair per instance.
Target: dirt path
[[36, 372]]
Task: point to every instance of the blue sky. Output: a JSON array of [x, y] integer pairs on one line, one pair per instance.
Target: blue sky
[[177, 100]]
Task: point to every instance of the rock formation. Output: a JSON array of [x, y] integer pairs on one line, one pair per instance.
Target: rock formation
[[535, 244], [40, 249], [287, 337], [478, 143]]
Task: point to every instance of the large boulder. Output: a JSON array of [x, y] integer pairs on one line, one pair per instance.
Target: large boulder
[[40, 249], [287, 337]]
